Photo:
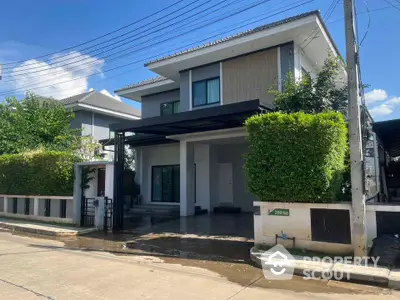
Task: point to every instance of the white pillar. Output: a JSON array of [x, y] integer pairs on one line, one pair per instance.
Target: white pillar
[[5, 205], [77, 194], [186, 154], [36, 206], [99, 213], [109, 188]]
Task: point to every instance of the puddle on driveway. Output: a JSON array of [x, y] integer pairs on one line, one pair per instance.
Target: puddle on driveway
[[229, 259]]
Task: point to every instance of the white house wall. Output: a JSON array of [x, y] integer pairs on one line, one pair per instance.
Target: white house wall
[[233, 153], [158, 155]]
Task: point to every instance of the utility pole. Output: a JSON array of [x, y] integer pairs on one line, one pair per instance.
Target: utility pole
[[355, 138]]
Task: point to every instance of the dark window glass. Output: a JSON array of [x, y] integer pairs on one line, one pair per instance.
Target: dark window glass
[[169, 108], [206, 92], [157, 184], [166, 184]]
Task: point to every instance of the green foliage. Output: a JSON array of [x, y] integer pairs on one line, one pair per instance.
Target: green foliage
[[314, 95], [35, 123], [37, 173], [296, 157]]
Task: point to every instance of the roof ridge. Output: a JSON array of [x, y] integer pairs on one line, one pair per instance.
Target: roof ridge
[[236, 35], [86, 96]]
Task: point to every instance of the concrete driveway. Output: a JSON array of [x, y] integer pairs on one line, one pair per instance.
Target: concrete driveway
[[33, 268]]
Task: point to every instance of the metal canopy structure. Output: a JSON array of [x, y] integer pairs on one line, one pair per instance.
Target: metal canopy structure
[[389, 134], [206, 119], [152, 131]]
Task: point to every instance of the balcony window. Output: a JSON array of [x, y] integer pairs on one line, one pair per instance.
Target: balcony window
[[206, 92], [169, 108]]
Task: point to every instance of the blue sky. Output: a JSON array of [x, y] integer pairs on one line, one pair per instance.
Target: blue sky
[[36, 28]]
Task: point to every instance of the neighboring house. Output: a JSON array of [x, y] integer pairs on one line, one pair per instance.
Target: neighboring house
[[190, 141], [94, 112]]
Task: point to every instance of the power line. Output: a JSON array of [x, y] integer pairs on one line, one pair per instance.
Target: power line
[[326, 17], [391, 4], [123, 55], [99, 37], [369, 23], [153, 27], [148, 58]]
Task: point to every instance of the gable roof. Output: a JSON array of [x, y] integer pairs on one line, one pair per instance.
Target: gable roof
[[143, 82], [246, 33], [98, 100]]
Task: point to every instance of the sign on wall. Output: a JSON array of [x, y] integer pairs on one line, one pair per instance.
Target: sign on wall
[[284, 212]]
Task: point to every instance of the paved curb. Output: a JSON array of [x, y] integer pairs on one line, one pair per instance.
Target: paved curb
[[361, 274], [46, 231]]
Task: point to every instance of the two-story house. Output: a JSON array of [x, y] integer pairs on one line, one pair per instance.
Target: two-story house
[[191, 141], [95, 111]]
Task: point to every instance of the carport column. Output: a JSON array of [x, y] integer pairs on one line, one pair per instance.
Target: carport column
[[186, 178]]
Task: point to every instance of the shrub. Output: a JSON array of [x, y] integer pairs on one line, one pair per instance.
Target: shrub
[[296, 157], [37, 173]]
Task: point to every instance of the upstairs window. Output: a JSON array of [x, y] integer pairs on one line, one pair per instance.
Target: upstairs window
[[169, 108], [205, 92]]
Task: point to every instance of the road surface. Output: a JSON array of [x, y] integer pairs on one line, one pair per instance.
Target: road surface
[[35, 268]]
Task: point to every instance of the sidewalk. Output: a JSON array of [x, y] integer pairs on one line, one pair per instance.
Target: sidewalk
[[43, 228], [361, 274]]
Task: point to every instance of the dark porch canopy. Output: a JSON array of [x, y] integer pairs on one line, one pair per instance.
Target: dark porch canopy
[[389, 134], [203, 119]]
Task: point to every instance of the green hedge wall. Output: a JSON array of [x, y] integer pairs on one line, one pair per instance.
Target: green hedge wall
[[37, 173], [296, 157]]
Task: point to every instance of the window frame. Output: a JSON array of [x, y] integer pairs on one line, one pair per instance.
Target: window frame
[[172, 190], [173, 106], [206, 80]]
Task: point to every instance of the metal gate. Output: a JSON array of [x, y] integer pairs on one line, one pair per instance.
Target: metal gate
[[87, 212], [108, 213]]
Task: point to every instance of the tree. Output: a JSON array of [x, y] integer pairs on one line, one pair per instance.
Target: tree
[[35, 123], [320, 94]]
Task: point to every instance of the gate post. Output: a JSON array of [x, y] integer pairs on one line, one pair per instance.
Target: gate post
[[99, 213]]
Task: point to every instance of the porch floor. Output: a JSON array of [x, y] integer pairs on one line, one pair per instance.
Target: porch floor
[[216, 237], [219, 225]]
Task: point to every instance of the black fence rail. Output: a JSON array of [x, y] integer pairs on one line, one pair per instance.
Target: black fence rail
[[87, 212]]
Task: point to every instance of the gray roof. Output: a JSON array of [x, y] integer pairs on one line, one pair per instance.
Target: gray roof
[[239, 35], [97, 99], [144, 82], [230, 38]]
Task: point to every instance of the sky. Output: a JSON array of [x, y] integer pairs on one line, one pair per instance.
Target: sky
[[44, 44]]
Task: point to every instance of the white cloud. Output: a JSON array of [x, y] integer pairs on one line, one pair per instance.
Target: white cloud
[[381, 110], [393, 101], [375, 95], [107, 93], [62, 76]]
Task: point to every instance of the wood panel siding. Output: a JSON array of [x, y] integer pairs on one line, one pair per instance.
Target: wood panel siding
[[250, 77]]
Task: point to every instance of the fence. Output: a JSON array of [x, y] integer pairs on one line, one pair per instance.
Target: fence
[[314, 226], [42, 208]]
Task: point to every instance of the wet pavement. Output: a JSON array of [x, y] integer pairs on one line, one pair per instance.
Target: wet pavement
[[201, 243]]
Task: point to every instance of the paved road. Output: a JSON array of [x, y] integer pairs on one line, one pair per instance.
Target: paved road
[[32, 268]]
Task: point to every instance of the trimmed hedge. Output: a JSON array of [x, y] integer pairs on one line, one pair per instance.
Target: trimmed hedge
[[37, 173], [296, 157]]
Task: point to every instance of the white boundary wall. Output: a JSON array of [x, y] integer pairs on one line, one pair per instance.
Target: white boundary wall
[[371, 210], [36, 208], [297, 224]]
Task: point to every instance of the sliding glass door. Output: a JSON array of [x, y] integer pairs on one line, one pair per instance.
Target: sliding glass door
[[165, 183]]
